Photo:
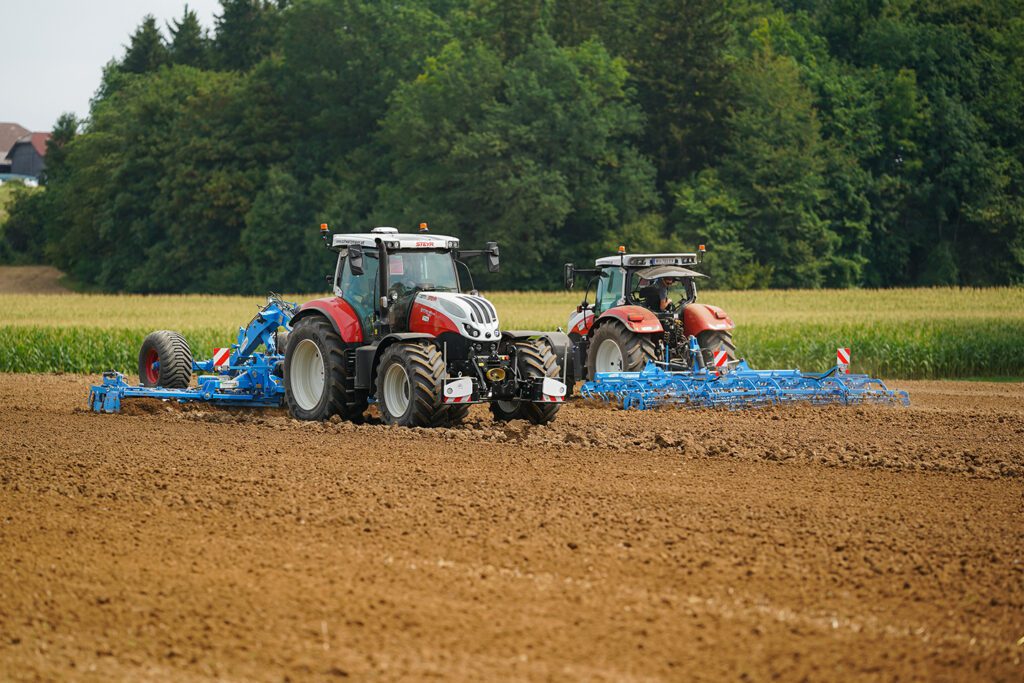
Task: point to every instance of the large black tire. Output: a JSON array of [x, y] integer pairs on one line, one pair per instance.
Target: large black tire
[[457, 413], [315, 350], [534, 359], [410, 385], [634, 349], [713, 340], [165, 360]]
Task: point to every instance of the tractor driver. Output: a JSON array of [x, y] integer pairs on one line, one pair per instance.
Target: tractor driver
[[655, 293]]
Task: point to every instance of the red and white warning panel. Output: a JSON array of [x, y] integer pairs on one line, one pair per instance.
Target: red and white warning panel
[[843, 359], [221, 357], [458, 390], [721, 358], [553, 390]]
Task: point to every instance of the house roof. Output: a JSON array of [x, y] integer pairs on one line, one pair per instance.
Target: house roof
[[9, 134], [37, 140]]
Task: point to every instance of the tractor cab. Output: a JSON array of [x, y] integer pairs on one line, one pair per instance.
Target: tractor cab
[[421, 268], [657, 282]]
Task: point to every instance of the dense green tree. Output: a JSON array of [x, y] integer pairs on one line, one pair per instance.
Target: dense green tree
[[682, 72], [524, 152], [188, 44], [147, 51], [245, 33]]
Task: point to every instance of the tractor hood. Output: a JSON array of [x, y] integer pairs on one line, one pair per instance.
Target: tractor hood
[[467, 315]]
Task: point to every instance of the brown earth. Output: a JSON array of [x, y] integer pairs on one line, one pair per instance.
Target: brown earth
[[798, 543], [31, 280]]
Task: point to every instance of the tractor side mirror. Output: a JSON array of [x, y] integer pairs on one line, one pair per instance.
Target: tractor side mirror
[[569, 276], [492, 257], [355, 260]]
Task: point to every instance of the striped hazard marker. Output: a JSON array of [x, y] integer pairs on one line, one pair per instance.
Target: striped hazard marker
[[221, 357], [720, 361], [843, 360]]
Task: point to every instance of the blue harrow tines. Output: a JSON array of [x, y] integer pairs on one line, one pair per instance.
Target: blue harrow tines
[[739, 387], [243, 378]]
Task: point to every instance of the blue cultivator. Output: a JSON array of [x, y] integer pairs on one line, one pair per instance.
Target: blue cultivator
[[243, 376], [738, 386]]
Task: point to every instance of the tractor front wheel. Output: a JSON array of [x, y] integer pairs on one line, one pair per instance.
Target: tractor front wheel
[[165, 360], [410, 382], [318, 374], [616, 349], [534, 359]]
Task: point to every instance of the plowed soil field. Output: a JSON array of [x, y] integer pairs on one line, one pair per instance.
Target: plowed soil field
[[173, 543]]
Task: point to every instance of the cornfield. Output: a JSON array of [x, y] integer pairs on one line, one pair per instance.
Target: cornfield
[[908, 333]]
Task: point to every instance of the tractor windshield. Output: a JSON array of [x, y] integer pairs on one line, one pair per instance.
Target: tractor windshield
[[422, 270]]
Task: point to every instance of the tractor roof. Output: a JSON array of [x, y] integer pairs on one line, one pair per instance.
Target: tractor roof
[[643, 260], [395, 240]]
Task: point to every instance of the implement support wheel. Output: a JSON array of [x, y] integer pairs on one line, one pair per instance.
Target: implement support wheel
[[165, 360]]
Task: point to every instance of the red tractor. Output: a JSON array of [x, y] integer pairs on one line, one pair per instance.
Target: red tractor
[[400, 331], [645, 309]]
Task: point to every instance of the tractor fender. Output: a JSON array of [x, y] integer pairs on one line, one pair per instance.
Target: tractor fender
[[341, 314], [368, 357], [635, 318], [699, 318]]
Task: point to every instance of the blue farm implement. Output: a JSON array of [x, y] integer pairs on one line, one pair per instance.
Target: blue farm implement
[[736, 385], [241, 375]]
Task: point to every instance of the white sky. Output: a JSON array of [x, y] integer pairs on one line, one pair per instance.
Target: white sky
[[52, 51]]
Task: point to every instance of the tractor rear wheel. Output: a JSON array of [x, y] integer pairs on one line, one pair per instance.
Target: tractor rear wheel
[[318, 374], [165, 360], [534, 359], [616, 349], [410, 382], [713, 340]]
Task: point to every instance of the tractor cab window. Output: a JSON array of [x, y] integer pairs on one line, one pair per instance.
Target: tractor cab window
[[660, 293], [423, 271], [609, 289], [360, 291]]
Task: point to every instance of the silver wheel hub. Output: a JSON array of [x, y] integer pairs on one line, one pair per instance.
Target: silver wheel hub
[[609, 357], [397, 394], [307, 375]]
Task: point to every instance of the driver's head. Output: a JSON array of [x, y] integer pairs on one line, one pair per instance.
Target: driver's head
[[668, 281]]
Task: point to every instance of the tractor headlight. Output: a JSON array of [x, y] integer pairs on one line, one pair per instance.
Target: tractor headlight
[[471, 331]]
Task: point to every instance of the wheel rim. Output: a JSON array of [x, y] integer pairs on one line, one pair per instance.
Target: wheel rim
[[152, 366], [307, 374], [396, 390], [609, 357]]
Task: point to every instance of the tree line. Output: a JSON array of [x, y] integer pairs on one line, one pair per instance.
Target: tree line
[[806, 143]]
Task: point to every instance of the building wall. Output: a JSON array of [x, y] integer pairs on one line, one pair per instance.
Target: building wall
[[25, 161]]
